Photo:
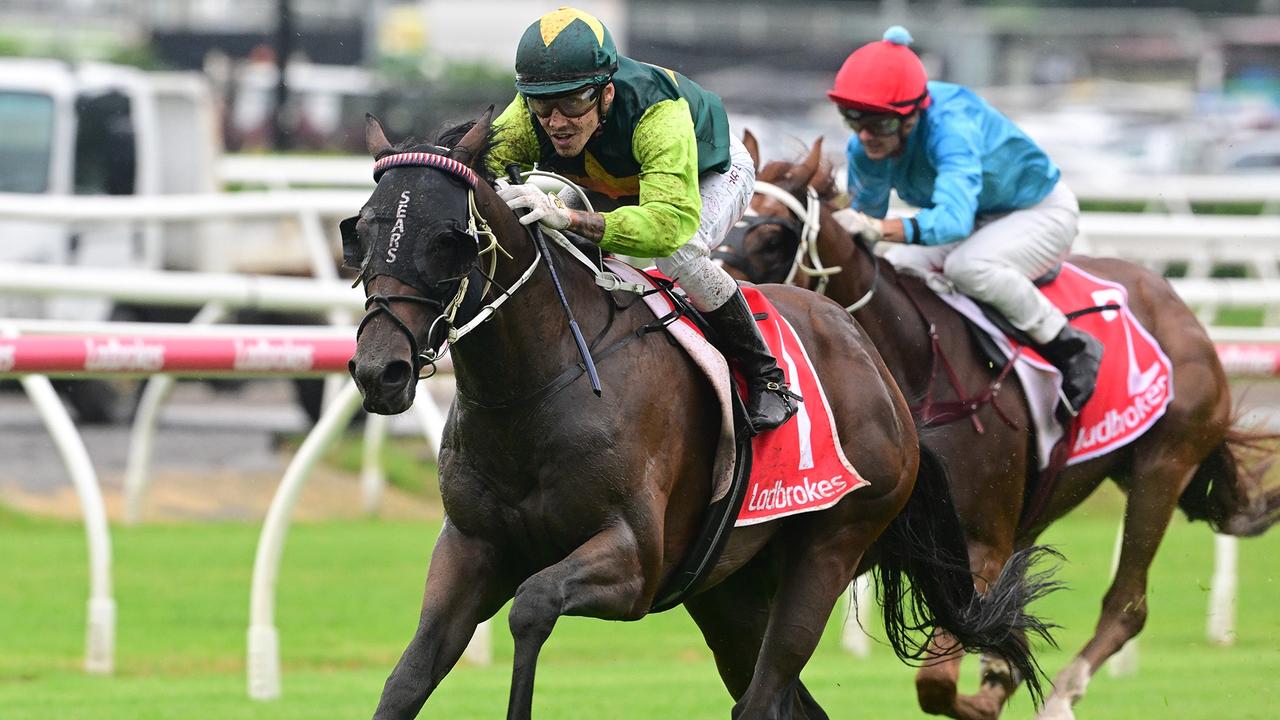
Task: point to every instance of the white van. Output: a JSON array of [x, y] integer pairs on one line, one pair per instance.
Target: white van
[[97, 129]]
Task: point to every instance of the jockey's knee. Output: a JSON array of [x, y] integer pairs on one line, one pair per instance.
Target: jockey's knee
[[973, 277], [706, 283], [674, 268]]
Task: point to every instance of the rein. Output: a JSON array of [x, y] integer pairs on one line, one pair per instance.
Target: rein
[[477, 226], [535, 234], [928, 412], [810, 215]]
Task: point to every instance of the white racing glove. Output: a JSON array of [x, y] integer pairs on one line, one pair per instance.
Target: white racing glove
[[856, 223], [547, 209]]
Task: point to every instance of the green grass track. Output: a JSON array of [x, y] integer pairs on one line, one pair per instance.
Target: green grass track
[[348, 601]]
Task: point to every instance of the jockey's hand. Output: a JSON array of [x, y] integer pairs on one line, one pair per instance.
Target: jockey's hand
[[856, 223], [547, 209]]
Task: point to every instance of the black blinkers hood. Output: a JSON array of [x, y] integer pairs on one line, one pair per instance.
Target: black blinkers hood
[[417, 232]]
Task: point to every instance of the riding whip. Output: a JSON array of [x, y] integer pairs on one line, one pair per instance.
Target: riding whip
[[513, 174]]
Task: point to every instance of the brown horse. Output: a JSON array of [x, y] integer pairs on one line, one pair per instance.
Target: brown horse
[[574, 504], [1188, 458]]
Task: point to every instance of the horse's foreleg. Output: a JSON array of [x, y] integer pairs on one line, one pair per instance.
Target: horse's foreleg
[[463, 588], [602, 578], [1152, 500]]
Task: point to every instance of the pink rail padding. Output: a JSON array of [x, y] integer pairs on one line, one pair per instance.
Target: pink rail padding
[[87, 355], [1249, 359], [143, 355]]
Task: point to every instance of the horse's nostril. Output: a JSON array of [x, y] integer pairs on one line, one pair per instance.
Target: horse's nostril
[[351, 367], [396, 374]]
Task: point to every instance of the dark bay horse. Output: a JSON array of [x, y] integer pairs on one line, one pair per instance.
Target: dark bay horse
[[1190, 458], [571, 504]]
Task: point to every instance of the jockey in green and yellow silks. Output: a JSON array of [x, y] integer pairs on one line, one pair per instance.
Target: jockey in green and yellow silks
[[658, 148]]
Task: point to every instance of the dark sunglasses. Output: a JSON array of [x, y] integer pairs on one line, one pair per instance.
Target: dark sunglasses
[[874, 123], [571, 105]]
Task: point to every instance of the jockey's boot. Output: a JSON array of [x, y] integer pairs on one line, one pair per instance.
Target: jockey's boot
[[769, 401], [1077, 355]]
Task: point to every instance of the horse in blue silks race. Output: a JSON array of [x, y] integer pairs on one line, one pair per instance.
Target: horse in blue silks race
[[976, 415], [568, 503]]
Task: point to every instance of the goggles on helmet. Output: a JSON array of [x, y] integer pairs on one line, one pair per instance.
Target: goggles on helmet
[[571, 105], [874, 123]]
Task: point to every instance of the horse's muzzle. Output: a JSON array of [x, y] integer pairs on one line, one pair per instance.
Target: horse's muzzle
[[388, 387]]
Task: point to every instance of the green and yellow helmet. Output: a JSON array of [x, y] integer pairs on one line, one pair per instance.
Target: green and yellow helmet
[[562, 51]]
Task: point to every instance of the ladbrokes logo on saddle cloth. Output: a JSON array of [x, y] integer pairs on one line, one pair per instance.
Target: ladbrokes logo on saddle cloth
[[1135, 383], [800, 466]]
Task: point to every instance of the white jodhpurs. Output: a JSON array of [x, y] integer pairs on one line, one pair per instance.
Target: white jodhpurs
[[725, 197], [997, 263]]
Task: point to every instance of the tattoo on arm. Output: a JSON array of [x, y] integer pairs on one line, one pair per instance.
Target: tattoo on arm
[[589, 225]]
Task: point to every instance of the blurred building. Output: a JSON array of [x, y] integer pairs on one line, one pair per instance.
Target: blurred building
[[978, 42], [418, 61]]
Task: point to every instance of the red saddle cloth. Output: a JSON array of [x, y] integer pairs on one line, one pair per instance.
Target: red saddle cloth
[[800, 466], [1135, 383]]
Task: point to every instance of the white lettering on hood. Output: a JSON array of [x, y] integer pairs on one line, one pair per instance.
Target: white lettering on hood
[[397, 230]]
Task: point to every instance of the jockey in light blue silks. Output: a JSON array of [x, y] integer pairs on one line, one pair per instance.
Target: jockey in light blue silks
[[995, 213]]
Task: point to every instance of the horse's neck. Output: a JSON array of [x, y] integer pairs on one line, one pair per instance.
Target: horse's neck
[[890, 318], [526, 343]]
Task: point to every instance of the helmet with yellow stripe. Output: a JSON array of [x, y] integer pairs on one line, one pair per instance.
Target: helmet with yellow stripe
[[563, 51]]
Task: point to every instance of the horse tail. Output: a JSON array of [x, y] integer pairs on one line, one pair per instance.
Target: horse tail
[[925, 583], [1227, 492]]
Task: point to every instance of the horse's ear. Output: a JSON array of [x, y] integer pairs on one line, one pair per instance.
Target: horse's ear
[[753, 148], [802, 173], [824, 179], [471, 144], [375, 139]]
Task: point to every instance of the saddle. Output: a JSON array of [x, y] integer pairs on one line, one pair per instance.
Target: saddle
[[787, 457], [798, 467], [1135, 381], [992, 352]]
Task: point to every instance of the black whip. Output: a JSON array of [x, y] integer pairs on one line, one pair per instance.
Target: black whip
[[513, 175]]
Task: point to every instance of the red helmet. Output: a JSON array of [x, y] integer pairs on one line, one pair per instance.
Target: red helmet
[[883, 77]]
